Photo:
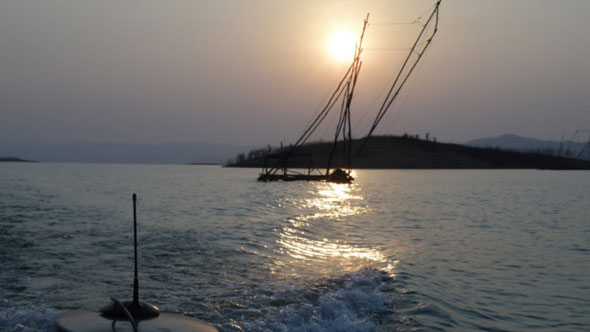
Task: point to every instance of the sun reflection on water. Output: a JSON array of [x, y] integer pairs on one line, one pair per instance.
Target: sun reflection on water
[[318, 241], [333, 201]]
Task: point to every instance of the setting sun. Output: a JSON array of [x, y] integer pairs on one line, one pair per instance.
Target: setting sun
[[342, 45]]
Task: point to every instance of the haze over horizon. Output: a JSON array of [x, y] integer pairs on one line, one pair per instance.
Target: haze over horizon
[[254, 73]]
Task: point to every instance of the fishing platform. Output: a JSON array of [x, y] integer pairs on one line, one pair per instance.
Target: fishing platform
[[336, 176], [282, 165]]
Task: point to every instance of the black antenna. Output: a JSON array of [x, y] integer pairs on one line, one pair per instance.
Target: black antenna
[[135, 279], [137, 310]]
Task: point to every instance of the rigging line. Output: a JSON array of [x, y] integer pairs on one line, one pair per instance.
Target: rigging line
[[342, 115], [572, 139], [323, 116], [416, 21], [348, 149], [347, 99], [405, 79], [308, 135], [387, 100], [313, 127], [419, 56], [333, 99], [386, 49], [340, 87], [377, 97], [582, 152], [399, 87], [427, 11], [375, 100], [324, 99], [390, 96], [394, 23], [407, 95], [329, 105], [355, 80], [341, 122], [326, 127], [388, 104], [329, 125]]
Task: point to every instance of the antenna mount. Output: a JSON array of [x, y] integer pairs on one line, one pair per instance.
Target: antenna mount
[[139, 310]]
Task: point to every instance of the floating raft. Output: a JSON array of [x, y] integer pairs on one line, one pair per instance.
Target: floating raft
[[338, 176]]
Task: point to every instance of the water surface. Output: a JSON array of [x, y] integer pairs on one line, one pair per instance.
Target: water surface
[[439, 250]]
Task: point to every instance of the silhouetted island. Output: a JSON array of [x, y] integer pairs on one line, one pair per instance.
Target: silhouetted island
[[16, 160], [409, 152]]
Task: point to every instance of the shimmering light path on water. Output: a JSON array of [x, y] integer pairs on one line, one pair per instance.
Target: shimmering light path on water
[[397, 250]]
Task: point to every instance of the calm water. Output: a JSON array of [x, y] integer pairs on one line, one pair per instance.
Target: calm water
[[396, 251]]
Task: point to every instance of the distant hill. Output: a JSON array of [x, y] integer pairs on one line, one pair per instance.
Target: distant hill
[[519, 143], [413, 153], [15, 160], [87, 152]]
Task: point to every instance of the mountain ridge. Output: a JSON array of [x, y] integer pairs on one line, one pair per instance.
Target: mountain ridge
[[522, 143], [406, 152], [139, 153]]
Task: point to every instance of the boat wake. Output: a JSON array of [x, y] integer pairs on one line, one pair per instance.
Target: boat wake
[[351, 302], [26, 317]]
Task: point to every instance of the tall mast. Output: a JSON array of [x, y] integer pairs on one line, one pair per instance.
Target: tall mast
[[344, 125]]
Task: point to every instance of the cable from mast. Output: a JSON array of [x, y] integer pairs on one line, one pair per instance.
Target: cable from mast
[[417, 50]]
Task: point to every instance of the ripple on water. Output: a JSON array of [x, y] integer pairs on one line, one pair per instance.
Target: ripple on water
[[397, 251]]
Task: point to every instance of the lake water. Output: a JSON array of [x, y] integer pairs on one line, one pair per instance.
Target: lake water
[[415, 250]]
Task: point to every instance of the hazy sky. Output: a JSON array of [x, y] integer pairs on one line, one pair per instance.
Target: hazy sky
[[255, 72]]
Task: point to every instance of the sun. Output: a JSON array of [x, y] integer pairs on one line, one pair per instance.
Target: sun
[[342, 45]]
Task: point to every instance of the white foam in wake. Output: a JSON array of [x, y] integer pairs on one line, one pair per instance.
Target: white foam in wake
[[26, 317], [346, 303]]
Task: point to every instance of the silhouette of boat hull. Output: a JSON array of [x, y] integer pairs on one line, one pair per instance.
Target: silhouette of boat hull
[[84, 320], [128, 315]]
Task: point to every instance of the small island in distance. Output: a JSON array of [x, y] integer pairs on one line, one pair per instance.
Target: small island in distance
[[16, 160], [411, 152]]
